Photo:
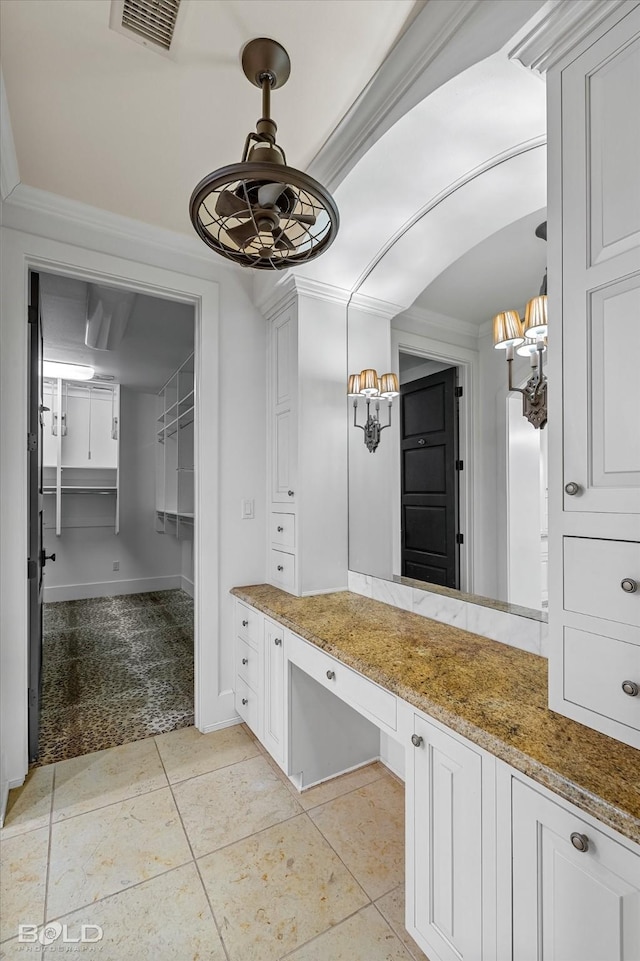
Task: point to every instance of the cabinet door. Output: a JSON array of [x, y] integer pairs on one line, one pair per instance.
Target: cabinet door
[[445, 780], [570, 904], [284, 454], [601, 272], [274, 706]]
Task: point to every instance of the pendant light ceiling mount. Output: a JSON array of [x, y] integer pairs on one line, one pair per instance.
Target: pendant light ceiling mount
[[261, 213]]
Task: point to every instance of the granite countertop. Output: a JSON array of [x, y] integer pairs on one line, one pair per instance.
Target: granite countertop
[[493, 694]]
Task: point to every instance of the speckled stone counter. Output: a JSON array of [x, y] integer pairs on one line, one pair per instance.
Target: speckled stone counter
[[493, 694]]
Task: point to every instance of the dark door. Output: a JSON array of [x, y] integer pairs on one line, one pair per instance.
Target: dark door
[[429, 452], [36, 553]]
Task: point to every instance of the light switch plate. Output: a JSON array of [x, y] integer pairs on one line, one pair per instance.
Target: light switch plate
[[247, 511]]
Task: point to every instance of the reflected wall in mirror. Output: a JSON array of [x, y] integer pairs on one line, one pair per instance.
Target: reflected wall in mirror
[[455, 494]]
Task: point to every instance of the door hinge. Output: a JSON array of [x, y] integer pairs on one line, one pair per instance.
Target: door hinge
[[459, 538], [32, 315], [32, 442], [32, 697], [32, 569], [459, 465], [458, 391]]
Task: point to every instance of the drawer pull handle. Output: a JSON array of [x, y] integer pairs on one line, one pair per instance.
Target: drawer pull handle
[[331, 675], [416, 740], [580, 842], [280, 567], [244, 700], [278, 641], [290, 493], [628, 585], [279, 529], [572, 488], [245, 660], [245, 623], [631, 688]]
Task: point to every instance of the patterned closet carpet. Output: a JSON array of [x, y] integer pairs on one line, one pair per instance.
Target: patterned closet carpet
[[115, 669]]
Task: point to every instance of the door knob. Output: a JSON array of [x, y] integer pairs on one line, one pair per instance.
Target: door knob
[[628, 585], [580, 841], [44, 557], [631, 688], [572, 488], [416, 740], [421, 442]]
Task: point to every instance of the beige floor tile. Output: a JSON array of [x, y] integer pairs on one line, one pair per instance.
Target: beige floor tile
[[94, 780], [223, 806], [364, 937], [391, 906], [337, 786], [188, 753], [102, 852], [14, 950], [23, 874], [366, 829], [165, 919], [272, 892], [29, 806]]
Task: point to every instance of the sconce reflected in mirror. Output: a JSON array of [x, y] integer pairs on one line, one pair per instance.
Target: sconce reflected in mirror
[[368, 385]]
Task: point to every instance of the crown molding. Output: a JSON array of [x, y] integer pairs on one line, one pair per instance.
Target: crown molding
[[442, 322], [563, 25], [9, 173], [373, 305], [272, 297]]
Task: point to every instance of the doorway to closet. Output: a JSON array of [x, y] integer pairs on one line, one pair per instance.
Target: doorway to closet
[[118, 457]]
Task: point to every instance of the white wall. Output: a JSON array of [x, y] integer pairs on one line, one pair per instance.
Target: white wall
[[85, 555], [422, 368]]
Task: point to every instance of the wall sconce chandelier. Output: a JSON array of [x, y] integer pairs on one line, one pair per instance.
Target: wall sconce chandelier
[[528, 338], [261, 213], [367, 384]]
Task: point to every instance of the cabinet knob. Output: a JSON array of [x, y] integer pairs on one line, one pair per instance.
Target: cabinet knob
[[331, 675], [580, 841], [631, 688], [290, 493], [572, 488], [628, 585], [280, 567], [244, 700], [245, 660], [278, 641], [416, 740], [245, 623], [279, 529]]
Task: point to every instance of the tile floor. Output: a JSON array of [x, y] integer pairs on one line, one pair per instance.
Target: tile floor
[[115, 669], [187, 846]]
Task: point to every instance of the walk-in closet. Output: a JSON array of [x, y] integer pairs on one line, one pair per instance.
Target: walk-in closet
[[117, 489]]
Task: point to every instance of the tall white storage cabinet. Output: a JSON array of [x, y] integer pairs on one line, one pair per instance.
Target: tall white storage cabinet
[[307, 547], [81, 430], [175, 452], [595, 503]]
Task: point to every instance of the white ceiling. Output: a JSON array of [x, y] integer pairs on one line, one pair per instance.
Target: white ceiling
[[158, 337], [101, 119], [502, 272]]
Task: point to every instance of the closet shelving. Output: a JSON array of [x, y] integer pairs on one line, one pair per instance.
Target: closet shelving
[[81, 427], [174, 461]]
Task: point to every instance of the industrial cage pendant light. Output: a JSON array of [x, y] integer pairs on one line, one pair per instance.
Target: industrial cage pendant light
[[260, 212]]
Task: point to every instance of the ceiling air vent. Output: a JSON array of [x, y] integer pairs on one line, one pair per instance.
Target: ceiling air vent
[[151, 22]]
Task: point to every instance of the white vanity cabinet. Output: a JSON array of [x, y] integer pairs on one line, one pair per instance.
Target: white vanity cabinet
[[594, 341], [445, 844], [576, 890], [249, 698], [273, 688]]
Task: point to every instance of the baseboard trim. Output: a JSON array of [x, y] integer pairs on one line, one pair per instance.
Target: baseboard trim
[[220, 725], [139, 585], [187, 586]]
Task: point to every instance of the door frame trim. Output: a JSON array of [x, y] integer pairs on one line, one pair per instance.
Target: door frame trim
[[22, 252], [466, 361]]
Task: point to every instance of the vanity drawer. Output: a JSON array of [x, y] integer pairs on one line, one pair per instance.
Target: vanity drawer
[[594, 574], [248, 624], [283, 530], [283, 570], [595, 668], [247, 705], [247, 666], [347, 684]]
